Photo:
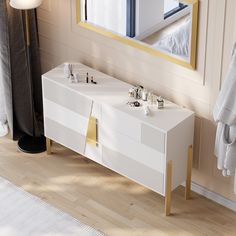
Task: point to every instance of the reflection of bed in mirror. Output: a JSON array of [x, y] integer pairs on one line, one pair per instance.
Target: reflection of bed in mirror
[[168, 27], [174, 39]]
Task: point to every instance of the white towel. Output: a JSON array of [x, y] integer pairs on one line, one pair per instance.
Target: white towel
[[220, 145], [225, 115], [225, 107]]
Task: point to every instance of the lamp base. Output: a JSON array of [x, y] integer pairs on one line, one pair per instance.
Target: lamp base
[[33, 145]]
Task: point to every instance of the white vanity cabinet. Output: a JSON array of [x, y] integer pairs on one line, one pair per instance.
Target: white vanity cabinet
[[95, 121]]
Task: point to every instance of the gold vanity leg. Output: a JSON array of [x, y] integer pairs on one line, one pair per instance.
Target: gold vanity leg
[[168, 188], [189, 173], [48, 145]]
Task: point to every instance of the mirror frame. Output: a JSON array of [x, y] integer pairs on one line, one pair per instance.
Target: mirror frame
[[139, 45]]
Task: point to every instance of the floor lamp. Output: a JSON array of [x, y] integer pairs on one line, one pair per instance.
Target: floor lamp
[[29, 144]]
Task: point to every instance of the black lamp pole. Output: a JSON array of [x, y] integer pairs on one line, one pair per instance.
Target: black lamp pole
[[27, 143]]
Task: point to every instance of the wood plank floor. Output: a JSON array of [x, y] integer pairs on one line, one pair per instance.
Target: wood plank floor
[[107, 201]]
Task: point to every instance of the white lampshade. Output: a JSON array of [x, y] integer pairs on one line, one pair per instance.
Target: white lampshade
[[25, 4]]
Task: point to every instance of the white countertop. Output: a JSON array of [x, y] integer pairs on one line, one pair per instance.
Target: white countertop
[[113, 92]]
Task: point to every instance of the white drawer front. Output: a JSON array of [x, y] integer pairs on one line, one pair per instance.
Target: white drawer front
[[67, 137], [133, 170], [121, 122], [153, 138], [67, 98], [94, 153], [96, 111], [143, 154], [65, 117]]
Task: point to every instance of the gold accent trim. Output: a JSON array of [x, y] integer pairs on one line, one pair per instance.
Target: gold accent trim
[[168, 188], [142, 46], [48, 145], [27, 27], [189, 173], [92, 131]]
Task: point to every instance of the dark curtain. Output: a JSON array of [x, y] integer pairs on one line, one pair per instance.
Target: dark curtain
[[15, 77]]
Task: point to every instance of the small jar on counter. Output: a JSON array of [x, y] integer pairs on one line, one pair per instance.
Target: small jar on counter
[[151, 98], [144, 94], [160, 102], [131, 92]]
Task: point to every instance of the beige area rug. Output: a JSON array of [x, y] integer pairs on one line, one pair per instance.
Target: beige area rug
[[22, 214]]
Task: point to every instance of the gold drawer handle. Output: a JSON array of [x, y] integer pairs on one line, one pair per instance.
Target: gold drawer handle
[[92, 137]]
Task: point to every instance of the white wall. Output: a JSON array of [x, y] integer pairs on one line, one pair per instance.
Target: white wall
[[62, 40], [148, 14], [108, 14]]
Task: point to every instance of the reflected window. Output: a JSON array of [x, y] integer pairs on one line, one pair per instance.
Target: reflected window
[[117, 16], [171, 7]]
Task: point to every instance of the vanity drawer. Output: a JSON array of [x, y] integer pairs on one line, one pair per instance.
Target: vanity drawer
[[133, 170], [121, 122], [153, 138], [67, 98], [65, 117], [65, 136], [140, 153]]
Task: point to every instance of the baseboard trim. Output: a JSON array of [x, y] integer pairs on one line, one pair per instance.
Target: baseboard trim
[[214, 196]]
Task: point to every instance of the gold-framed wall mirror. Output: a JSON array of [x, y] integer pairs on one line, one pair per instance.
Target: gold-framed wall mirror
[[164, 28]]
